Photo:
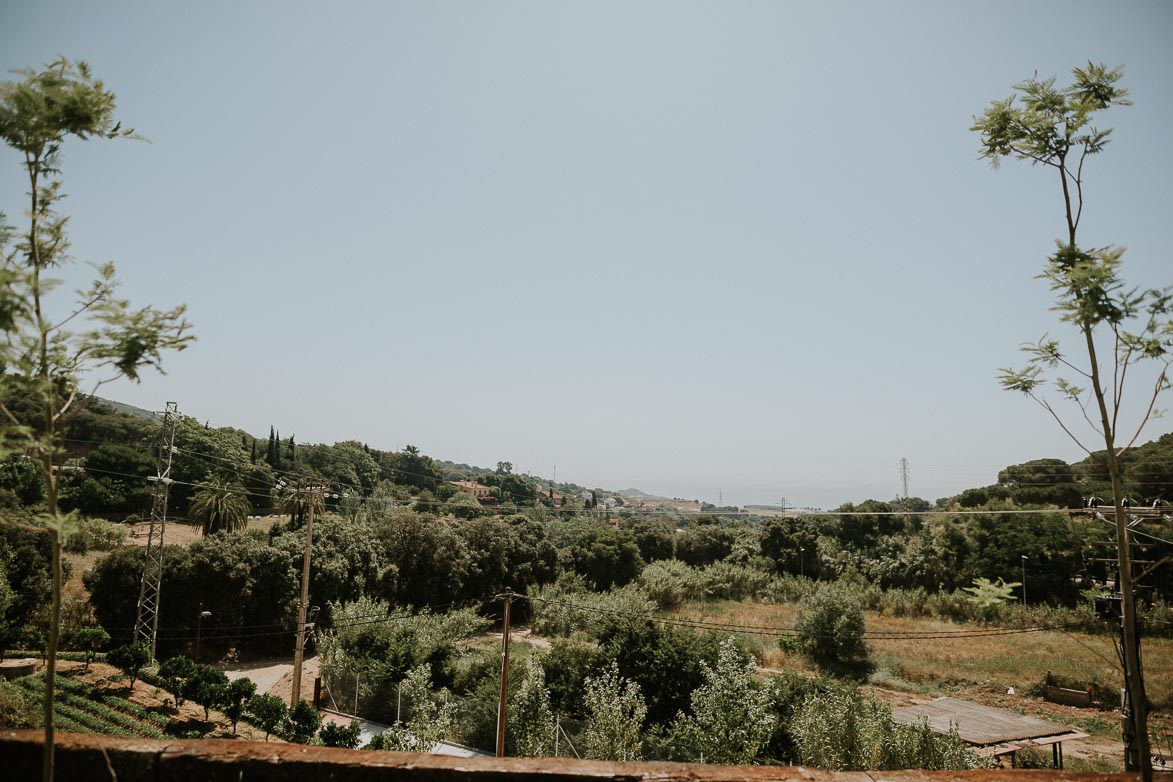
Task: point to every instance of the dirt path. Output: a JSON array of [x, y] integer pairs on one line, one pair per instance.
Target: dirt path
[[264, 673]]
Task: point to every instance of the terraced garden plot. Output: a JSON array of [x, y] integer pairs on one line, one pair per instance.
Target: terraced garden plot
[[82, 708]]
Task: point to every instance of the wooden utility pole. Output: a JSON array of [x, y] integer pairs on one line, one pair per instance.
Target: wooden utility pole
[[508, 596], [312, 493]]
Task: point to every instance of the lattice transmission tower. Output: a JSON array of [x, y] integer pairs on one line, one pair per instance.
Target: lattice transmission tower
[[146, 625]]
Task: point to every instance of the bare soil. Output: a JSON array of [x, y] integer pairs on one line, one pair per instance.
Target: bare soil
[[189, 715]]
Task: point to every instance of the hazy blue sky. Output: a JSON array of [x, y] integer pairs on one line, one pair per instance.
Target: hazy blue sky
[[692, 247]]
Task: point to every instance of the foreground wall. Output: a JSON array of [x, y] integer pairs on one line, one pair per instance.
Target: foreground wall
[[82, 758]]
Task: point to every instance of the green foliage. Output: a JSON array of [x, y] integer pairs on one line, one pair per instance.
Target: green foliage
[[615, 716], [567, 665], [131, 659], [335, 735], [26, 559], [236, 698], [431, 718], [568, 605], [302, 723], [380, 649], [839, 730], [96, 535], [463, 505], [704, 544], [668, 663], [831, 628], [18, 707], [45, 354], [91, 639], [208, 686], [990, 596], [174, 673], [21, 483], [530, 717], [603, 555], [668, 583], [731, 718], [267, 712], [220, 505]]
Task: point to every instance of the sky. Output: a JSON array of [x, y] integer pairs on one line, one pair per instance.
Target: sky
[[736, 251]]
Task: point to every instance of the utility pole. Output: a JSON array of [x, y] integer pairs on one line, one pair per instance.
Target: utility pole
[[312, 493], [1137, 755], [508, 597], [146, 623], [904, 476]]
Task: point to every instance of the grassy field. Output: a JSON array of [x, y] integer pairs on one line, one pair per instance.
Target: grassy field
[[936, 664]]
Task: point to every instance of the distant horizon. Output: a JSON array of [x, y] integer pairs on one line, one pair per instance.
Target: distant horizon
[[722, 499]]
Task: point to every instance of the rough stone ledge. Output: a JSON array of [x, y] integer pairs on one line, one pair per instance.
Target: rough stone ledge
[[86, 758]]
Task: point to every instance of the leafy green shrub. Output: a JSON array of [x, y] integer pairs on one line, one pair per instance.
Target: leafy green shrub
[[565, 607], [789, 589], [727, 581], [302, 723], [335, 735], [267, 712], [19, 707], [96, 535], [731, 718], [668, 582], [838, 730], [831, 628]]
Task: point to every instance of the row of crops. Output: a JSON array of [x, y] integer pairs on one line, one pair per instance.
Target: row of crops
[[82, 708]]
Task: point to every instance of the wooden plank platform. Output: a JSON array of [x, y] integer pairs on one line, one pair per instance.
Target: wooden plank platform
[[983, 726]]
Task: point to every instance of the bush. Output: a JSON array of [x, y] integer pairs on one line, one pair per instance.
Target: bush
[[831, 628], [668, 582], [19, 708], [727, 581], [335, 735], [96, 535], [841, 731]]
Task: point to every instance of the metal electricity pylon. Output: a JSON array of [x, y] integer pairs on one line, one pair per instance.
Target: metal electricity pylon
[[146, 624]]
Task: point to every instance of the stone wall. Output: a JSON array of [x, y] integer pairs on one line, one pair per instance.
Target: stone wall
[[87, 758]]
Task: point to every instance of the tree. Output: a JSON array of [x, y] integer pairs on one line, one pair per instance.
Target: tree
[[130, 659], [989, 596], [731, 716], [220, 505], [1053, 127], [236, 699], [303, 722], [615, 717], [530, 713], [334, 735], [89, 639], [831, 628], [113, 341], [175, 671], [430, 720], [267, 712], [208, 687]]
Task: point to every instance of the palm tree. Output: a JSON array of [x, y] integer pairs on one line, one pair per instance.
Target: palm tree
[[220, 505], [295, 502]]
